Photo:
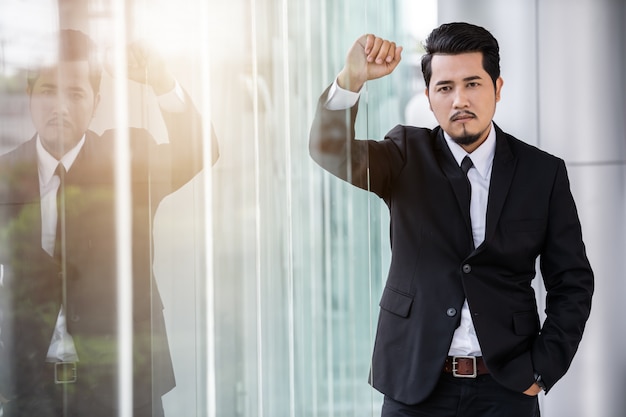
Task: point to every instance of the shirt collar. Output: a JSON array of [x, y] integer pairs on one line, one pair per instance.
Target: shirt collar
[[47, 163], [482, 157]]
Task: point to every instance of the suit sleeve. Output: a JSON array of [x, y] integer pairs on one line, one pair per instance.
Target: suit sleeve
[[367, 164], [182, 157], [569, 284]]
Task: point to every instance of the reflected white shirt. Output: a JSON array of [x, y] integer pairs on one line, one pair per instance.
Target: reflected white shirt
[[464, 342], [61, 345]]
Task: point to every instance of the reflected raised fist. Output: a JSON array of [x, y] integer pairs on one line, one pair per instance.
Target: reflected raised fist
[[144, 66]]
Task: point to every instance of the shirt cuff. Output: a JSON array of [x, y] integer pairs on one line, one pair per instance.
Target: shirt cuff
[[173, 101], [339, 98]]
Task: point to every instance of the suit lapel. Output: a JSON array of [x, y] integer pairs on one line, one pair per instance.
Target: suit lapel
[[38, 279], [24, 174], [94, 163], [504, 163], [23, 180], [454, 174]]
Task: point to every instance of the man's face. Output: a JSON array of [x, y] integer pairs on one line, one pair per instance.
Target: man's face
[[462, 97], [62, 104]]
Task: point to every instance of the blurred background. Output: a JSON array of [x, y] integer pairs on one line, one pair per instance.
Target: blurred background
[[269, 268]]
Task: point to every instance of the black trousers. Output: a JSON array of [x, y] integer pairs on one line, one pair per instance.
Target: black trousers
[[47, 399], [464, 397], [67, 406]]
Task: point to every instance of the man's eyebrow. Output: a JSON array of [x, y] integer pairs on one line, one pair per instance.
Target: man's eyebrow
[[76, 88], [466, 79]]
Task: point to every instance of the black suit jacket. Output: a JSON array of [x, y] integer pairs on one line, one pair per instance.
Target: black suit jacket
[[34, 285], [434, 268]]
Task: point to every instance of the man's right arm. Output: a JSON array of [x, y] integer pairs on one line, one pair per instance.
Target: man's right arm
[[339, 98], [332, 143], [179, 160]]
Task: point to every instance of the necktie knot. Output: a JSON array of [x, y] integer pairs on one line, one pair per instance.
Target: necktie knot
[[60, 171], [466, 164]]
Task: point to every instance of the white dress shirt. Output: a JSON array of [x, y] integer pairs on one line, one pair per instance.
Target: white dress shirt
[[62, 347], [464, 341]]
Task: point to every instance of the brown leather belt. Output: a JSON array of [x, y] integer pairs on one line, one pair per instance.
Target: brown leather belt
[[59, 372], [465, 366]]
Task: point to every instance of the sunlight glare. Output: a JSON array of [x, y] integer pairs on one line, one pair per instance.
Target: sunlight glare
[[173, 28]]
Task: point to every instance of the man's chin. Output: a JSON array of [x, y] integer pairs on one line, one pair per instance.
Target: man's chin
[[466, 139], [57, 145]]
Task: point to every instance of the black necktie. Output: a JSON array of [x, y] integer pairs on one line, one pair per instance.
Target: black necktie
[[466, 164], [60, 172]]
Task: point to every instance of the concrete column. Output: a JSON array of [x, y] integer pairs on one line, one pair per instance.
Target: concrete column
[[582, 119]]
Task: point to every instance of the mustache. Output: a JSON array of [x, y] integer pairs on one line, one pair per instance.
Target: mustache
[[59, 121], [460, 114]]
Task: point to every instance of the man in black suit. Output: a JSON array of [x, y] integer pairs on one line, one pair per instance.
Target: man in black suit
[[58, 241], [472, 208]]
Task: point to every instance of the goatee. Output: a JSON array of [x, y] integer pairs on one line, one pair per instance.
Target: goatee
[[466, 139]]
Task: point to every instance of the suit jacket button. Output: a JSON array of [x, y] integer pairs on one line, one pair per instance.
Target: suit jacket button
[[451, 312], [467, 268]]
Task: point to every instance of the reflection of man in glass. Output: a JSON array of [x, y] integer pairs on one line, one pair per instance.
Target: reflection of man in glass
[[58, 292]]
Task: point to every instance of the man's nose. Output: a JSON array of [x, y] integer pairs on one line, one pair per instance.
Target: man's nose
[[461, 99], [62, 105]]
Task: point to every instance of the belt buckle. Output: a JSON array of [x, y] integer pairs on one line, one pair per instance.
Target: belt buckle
[[455, 362], [3, 400], [65, 372]]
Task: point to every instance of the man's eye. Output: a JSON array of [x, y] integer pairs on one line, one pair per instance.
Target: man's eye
[[473, 84], [445, 88]]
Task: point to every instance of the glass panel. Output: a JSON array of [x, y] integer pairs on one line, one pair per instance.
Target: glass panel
[[101, 260], [301, 256]]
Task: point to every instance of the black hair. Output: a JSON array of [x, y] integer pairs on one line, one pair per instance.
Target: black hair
[[458, 38], [75, 45]]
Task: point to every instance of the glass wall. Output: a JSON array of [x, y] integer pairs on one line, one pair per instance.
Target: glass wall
[[268, 269], [300, 256]]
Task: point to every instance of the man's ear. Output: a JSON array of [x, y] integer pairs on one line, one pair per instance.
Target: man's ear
[[499, 84], [96, 103], [428, 97]]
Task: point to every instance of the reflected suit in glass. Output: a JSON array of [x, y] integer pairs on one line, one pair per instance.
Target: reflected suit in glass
[[33, 283]]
